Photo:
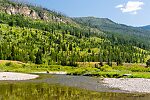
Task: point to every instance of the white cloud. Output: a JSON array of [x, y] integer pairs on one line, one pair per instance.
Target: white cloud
[[131, 7], [134, 13], [119, 6]]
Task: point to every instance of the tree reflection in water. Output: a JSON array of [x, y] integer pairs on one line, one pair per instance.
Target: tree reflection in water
[[43, 91]]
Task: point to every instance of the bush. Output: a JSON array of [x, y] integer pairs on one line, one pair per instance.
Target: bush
[[148, 63], [110, 74], [106, 68], [77, 72], [8, 63]]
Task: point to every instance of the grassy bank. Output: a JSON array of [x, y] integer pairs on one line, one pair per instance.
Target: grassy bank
[[28, 68], [113, 72], [135, 70]]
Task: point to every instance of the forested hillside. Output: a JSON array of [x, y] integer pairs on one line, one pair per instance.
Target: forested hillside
[[51, 38], [133, 35], [146, 27], [106, 24]]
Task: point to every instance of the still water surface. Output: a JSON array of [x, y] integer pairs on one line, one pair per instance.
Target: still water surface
[[62, 87]]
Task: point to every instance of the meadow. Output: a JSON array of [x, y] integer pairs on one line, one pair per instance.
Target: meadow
[[85, 69]]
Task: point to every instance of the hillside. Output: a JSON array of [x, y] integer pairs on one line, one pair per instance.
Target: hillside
[[38, 13], [123, 32], [106, 24], [146, 27], [37, 35]]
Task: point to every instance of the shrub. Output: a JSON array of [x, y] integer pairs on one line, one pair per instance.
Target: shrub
[[148, 63], [106, 68], [8, 63]]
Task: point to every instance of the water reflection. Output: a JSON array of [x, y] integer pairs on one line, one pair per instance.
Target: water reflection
[[44, 91]]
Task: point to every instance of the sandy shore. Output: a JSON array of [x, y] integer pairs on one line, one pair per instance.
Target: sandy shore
[[16, 76], [129, 84]]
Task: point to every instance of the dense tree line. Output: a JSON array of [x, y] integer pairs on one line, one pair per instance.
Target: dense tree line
[[38, 46]]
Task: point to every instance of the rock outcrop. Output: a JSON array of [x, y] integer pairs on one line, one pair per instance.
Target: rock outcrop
[[26, 11], [34, 15], [43, 16]]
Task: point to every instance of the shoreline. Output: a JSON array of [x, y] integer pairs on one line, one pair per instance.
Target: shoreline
[[53, 72], [132, 85], [8, 76]]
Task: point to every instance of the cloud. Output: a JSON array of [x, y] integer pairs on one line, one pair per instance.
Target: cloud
[[119, 6], [131, 7]]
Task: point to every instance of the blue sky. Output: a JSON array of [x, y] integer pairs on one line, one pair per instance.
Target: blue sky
[[130, 12]]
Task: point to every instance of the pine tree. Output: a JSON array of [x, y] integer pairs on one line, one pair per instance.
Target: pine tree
[[148, 63], [38, 59]]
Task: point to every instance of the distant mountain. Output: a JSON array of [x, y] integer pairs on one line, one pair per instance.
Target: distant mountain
[[106, 24], [127, 34], [146, 27]]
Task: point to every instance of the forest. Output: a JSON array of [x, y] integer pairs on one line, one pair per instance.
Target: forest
[[56, 43]]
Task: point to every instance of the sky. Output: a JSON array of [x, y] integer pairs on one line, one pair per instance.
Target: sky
[[129, 12]]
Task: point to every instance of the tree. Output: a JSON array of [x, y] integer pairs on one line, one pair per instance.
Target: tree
[[148, 63], [119, 62], [101, 63], [13, 53], [70, 47], [38, 59], [89, 50]]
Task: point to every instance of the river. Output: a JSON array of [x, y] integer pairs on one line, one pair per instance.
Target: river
[[63, 87]]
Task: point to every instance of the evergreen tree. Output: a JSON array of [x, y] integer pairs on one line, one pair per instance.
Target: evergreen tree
[[38, 59], [148, 63]]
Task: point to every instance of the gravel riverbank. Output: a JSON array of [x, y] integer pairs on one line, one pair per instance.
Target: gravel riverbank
[[129, 84], [16, 76]]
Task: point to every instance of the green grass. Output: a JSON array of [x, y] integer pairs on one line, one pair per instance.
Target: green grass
[[28, 68], [140, 75], [136, 71], [105, 71], [133, 68]]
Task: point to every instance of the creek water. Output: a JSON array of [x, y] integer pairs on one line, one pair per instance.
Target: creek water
[[63, 87]]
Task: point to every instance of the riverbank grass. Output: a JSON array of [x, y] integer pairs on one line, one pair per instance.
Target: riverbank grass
[[133, 71]]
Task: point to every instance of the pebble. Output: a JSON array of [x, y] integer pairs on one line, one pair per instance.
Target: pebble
[[129, 84]]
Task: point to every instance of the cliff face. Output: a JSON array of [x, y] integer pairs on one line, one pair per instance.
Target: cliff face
[[26, 11]]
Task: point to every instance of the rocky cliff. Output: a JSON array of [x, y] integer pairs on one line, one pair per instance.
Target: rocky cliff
[[28, 12], [25, 11]]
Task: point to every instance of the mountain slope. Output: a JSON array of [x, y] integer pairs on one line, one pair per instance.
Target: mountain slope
[[13, 8], [50, 41], [146, 27], [123, 32], [106, 24]]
